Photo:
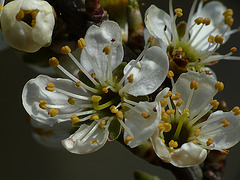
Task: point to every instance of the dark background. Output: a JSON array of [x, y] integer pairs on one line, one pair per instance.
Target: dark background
[[23, 158]]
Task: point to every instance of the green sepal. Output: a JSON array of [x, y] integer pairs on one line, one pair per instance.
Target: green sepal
[[140, 175], [181, 29], [114, 129]]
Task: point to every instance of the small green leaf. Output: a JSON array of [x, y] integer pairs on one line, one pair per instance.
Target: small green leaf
[[114, 130]]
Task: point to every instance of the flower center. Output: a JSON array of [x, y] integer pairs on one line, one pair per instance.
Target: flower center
[[27, 16]]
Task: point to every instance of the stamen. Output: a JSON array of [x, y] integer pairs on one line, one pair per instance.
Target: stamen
[[173, 144], [53, 62], [209, 142], [43, 104], [225, 123], [211, 39], [65, 50], [145, 115], [168, 112], [163, 102], [214, 103], [127, 139], [130, 78], [233, 49], [53, 112], [179, 103], [113, 109], [50, 87], [107, 50], [164, 117], [71, 101], [20, 15], [119, 115], [105, 90], [73, 95], [96, 98], [102, 123], [163, 141], [74, 119], [167, 127], [206, 21], [82, 43], [178, 12], [170, 74], [199, 20], [218, 39], [219, 86], [197, 132], [78, 84], [168, 94], [94, 117]]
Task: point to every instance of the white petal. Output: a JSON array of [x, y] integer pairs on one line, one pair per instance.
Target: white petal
[[205, 90], [149, 73], [188, 155], [97, 38], [212, 10], [159, 147], [224, 137], [80, 147], [51, 136], [141, 128], [34, 91], [156, 20]]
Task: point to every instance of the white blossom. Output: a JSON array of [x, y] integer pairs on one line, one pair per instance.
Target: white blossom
[[27, 25], [187, 129], [193, 43], [101, 102]]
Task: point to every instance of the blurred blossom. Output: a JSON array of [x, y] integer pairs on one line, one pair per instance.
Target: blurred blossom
[[27, 25]]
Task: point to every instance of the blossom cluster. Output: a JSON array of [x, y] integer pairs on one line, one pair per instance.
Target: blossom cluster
[[109, 98]]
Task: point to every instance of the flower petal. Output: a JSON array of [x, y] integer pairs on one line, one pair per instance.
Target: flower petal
[[202, 94], [149, 73], [97, 38], [34, 91], [159, 147], [142, 128], [224, 137], [188, 155], [156, 21], [77, 146]]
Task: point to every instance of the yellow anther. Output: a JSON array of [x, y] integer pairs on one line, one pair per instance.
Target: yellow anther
[[225, 123], [168, 112], [162, 111], [150, 39], [127, 139], [179, 103], [233, 49], [105, 90], [194, 141], [209, 142], [228, 12], [65, 50], [219, 86], [145, 115], [214, 104], [163, 102], [198, 20], [94, 117], [53, 62], [173, 144], [194, 85], [50, 87], [168, 94], [206, 21], [225, 152], [229, 21], [33, 23], [81, 43], [107, 50], [53, 112], [163, 141], [34, 14], [160, 127], [164, 117], [170, 74], [20, 15], [93, 142], [101, 125], [74, 119], [211, 39], [237, 113], [178, 10], [176, 97], [130, 78], [186, 112], [43, 104], [235, 109], [93, 75], [96, 98], [78, 84], [113, 109], [119, 115], [167, 127], [197, 132], [179, 14], [1, 7], [219, 39], [71, 101]]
